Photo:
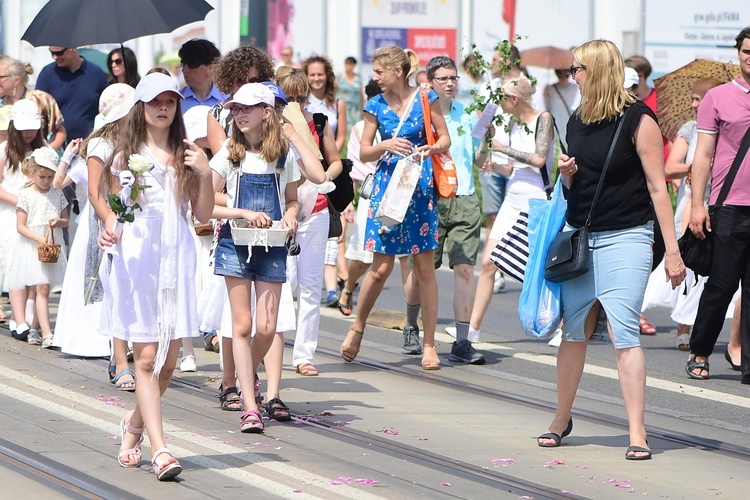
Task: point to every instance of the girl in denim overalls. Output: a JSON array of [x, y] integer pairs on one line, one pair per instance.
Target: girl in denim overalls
[[260, 189]]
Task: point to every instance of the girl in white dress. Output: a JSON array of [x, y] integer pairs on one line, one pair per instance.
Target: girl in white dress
[[71, 335], [40, 211], [24, 136], [149, 278]]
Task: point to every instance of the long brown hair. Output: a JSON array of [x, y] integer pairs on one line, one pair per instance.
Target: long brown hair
[[272, 142], [15, 151], [330, 90], [132, 135], [107, 132]]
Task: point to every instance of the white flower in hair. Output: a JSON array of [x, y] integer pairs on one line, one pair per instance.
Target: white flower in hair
[[138, 164]]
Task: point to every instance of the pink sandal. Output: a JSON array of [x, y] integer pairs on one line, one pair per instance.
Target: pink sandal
[[135, 450], [168, 470], [251, 422]]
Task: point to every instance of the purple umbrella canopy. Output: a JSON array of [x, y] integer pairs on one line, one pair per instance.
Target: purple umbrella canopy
[[73, 23]]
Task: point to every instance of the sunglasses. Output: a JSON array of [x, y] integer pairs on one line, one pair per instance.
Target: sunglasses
[[235, 110], [191, 64], [117, 61], [58, 53], [575, 69], [299, 99], [444, 79]]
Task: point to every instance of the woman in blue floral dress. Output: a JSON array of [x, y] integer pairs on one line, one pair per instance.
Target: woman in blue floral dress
[[417, 235]]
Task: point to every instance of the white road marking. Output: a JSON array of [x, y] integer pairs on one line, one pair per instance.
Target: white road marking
[[295, 475]]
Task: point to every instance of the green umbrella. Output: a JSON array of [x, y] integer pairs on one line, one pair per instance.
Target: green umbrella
[[96, 57]]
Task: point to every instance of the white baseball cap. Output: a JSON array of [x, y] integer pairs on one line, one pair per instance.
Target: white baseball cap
[[251, 94], [25, 115], [115, 102], [196, 122], [46, 157], [631, 78], [154, 84]]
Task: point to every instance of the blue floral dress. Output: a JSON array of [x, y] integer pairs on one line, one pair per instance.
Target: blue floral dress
[[419, 231]]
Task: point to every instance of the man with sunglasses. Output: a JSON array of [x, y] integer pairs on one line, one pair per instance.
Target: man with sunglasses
[[76, 85], [196, 57]]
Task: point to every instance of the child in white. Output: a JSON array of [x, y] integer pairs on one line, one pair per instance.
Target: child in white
[[150, 288], [41, 216]]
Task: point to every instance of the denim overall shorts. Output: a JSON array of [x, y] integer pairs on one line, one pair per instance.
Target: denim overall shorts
[[259, 193]]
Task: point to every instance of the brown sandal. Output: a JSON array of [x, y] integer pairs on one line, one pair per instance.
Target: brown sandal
[[346, 306], [427, 364], [345, 349]]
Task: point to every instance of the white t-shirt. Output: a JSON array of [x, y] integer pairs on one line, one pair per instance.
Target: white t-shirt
[[253, 164]]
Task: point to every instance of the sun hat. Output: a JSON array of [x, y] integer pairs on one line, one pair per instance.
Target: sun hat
[[251, 94], [196, 122], [277, 92], [631, 78], [25, 115], [115, 102], [5, 117], [46, 157], [154, 84]]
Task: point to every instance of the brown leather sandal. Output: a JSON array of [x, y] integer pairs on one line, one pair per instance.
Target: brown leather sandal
[[349, 354]]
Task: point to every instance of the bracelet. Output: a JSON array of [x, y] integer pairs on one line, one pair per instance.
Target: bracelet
[[330, 177]]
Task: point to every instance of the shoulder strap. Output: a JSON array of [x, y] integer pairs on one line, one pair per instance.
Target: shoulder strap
[[567, 108], [406, 114], [741, 153], [320, 120], [424, 100], [548, 188], [606, 165]]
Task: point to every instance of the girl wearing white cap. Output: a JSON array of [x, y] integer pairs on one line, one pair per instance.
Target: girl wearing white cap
[[81, 166], [24, 136], [41, 215], [149, 282]]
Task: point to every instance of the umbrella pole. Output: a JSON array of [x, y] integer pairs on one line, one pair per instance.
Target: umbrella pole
[[124, 63]]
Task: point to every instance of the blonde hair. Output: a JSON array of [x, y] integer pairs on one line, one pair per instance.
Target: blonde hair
[[519, 86], [393, 57], [17, 68], [602, 96], [272, 143], [293, 81], [29, 167]]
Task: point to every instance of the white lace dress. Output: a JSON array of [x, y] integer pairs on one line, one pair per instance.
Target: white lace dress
[[26, 269], [73, 336], [12, 182]]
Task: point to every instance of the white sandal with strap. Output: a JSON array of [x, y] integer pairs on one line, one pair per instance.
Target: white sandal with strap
[[122, 456], [168, 470]]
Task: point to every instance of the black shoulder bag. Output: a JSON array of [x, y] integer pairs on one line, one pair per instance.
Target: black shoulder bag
[[697, 254], [344, 192], [568, 254]]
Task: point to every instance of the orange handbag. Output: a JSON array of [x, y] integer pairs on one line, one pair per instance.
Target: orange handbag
[[443, 167]]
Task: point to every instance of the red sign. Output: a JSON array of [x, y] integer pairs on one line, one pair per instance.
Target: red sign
[[428, 43]]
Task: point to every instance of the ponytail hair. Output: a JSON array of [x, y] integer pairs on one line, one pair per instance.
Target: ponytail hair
[[392, 57]]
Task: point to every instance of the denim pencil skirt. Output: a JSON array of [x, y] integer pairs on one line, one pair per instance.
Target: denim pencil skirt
[[620, 265]]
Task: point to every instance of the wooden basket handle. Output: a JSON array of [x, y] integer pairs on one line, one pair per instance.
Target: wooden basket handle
[[50, 236]]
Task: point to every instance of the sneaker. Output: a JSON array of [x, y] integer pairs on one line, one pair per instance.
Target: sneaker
[[499, 285], [463, 352], [411, 341], [35, 337], [188, 364], [451, 330], [47, 342], [331, 299], [556, 339]]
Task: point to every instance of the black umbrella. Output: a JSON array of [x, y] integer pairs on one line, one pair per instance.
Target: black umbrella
[[73, 23]]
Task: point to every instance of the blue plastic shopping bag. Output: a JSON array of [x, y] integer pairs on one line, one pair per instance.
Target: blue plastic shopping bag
[[539, 307]]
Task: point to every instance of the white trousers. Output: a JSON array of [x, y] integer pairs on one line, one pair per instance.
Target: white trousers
[[305, 274]]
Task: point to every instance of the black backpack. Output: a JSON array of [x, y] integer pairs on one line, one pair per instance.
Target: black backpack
[[344, 192]]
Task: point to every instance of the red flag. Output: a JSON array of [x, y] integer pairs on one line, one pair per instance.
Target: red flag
[[509, 16]]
